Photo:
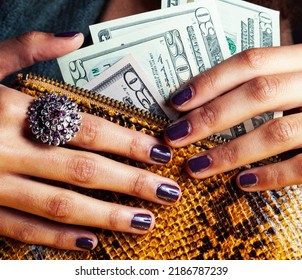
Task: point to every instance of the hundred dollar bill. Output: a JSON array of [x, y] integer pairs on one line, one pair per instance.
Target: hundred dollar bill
[[126, 81], [207, 38], [170, 52], [249, 125], [246, 25]]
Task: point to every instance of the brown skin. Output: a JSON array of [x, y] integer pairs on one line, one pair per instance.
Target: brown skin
[[267, 80], [50, 215], [246, 85]]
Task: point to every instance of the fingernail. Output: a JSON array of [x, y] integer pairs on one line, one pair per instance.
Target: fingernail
[[161, 153], [248, 180], [200, 163], [178, 130], [67, 34], [168, 192], [182, 96], [84, 243], [141, 221]]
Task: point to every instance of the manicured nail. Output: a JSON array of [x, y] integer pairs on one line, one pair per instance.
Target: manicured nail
[[182, 96], [248, 180], [168, 192], [67, 34], [84, 243], [161, 153], [178, 130], [200, 163], [141, 221]]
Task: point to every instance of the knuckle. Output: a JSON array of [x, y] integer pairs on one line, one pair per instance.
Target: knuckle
[[253, 58], [88, 133], [228, 154], [264, 89], [276, 177], [298, 161], [5, 181], [26, 41], [59, 207], [114, 218], [137, 184], [208, 115], [7, 108], [282, 130], [81, 169], [24, 231], [135, 145], [208, 79], [61, 238], [27, 38], [3, 99], [298, 165]]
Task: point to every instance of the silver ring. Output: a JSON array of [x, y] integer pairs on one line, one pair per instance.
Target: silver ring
[[54, 119]]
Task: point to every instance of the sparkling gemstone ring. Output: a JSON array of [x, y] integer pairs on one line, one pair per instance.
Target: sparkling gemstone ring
[[54, 119]]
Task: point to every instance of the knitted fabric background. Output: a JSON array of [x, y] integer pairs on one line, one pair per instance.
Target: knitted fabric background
[[19, 16], [55, 16]]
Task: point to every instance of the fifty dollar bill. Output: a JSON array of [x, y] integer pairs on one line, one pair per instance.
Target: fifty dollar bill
[[125, 81], [246, 25], [185, 42]]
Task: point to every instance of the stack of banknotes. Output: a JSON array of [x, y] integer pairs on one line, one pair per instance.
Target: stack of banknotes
[[142, 59]]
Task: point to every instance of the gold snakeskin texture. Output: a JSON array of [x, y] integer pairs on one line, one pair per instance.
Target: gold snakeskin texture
[[213, 220]]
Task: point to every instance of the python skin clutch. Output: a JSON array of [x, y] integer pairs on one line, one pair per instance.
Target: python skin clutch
[[213, 220]]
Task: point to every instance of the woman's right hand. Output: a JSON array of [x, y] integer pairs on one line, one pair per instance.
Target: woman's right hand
[[35, 212]]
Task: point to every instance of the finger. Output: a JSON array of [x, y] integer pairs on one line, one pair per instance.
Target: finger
[[273, 176], [88, 169], [95, 133], [29, 48], [69, 207], [262, 94], [235, 71], [35, 230], [274, 137], [101, 135], [93, 171]]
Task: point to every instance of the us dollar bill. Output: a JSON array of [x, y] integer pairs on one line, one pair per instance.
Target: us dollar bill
[[200, 21], [126, 81], [170, 51], [249, 125], [246, 25]]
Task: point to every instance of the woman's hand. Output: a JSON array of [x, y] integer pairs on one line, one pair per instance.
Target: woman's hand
[[35, 212], [244, 86]]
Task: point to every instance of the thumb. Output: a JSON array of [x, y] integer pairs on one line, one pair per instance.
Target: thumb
[[29, 48]]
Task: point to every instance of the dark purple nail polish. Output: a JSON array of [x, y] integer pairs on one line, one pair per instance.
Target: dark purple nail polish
[[178, 130], [248, 180], [84, 243], [200, 163], [168, 192], [141, 221], [182, 96], [161, 153], [67, 34]]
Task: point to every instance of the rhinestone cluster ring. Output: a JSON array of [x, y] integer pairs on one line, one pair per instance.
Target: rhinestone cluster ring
[[54, 119]]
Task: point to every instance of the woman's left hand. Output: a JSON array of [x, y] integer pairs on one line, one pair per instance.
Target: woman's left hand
[[246, 85]]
